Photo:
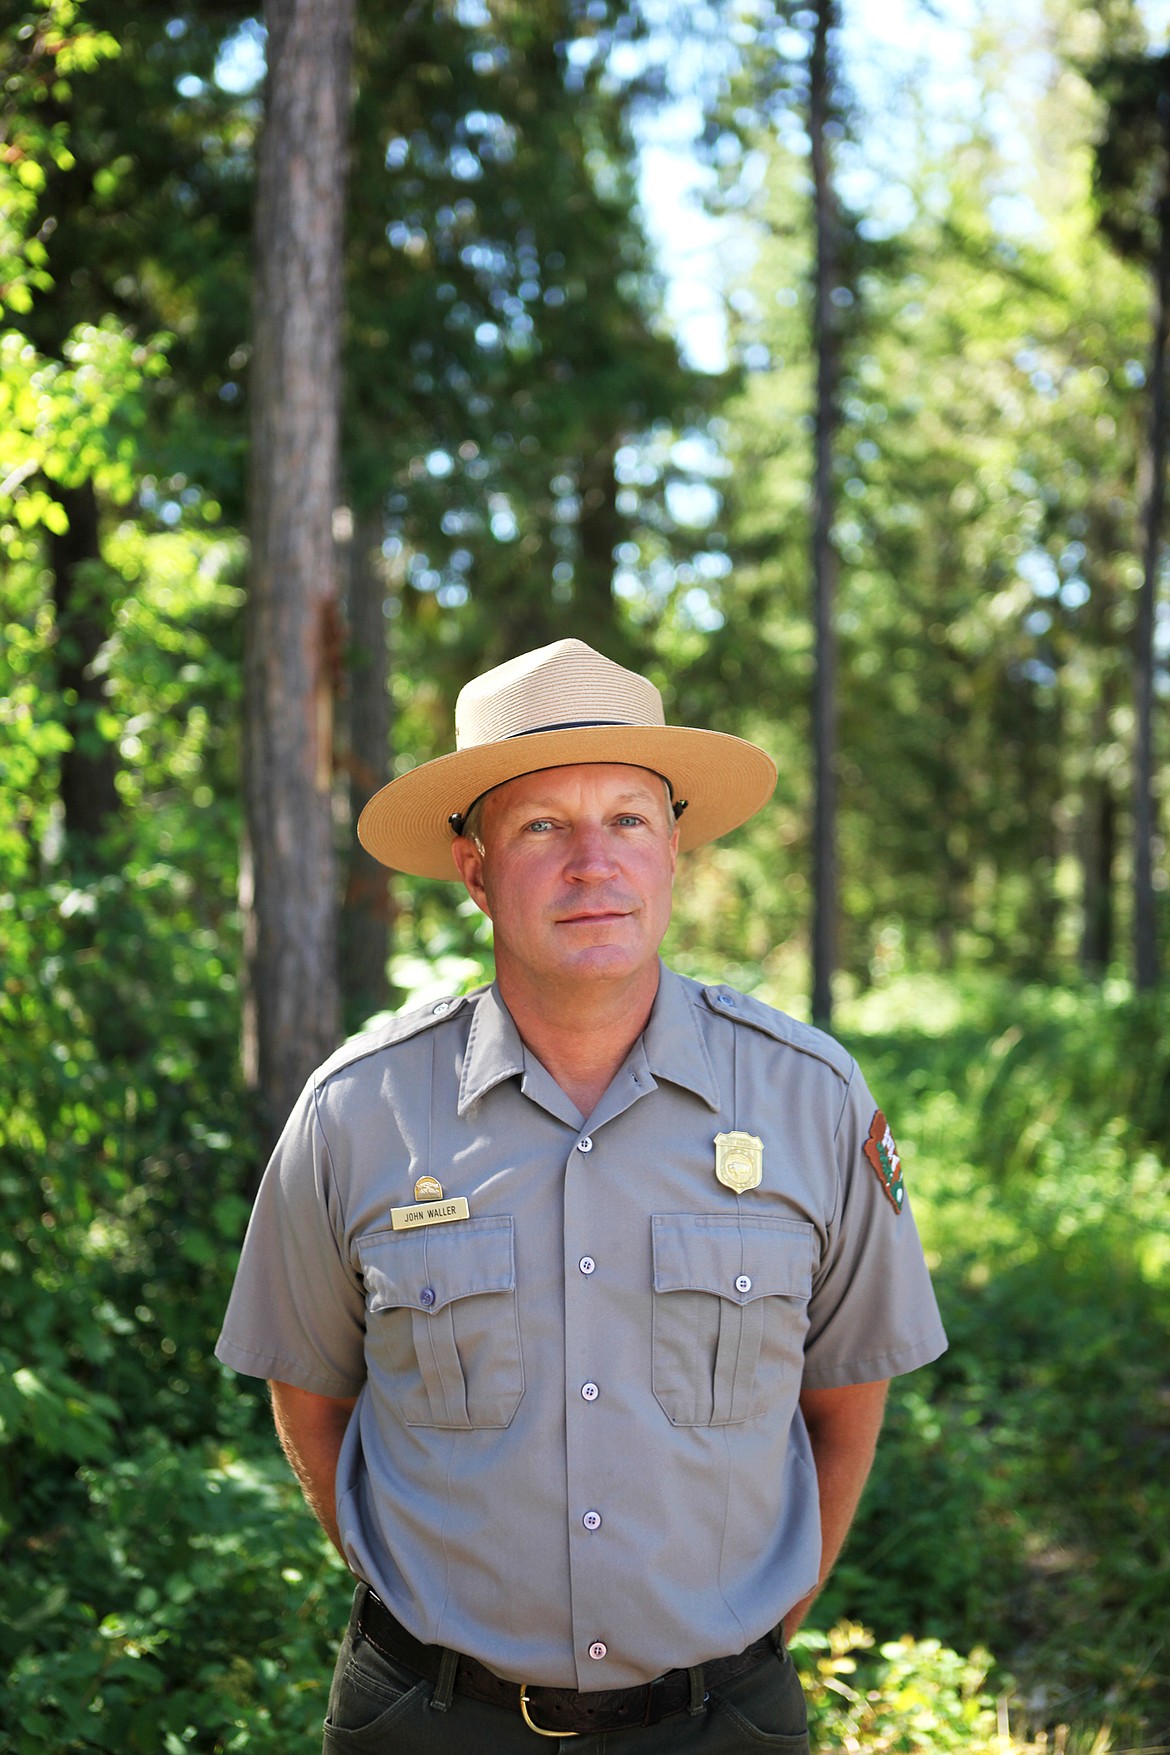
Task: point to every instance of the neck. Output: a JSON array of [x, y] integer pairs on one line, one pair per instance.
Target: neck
[[583, 1036]]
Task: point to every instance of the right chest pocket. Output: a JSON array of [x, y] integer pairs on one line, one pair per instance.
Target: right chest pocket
[[442, 1329], [730, 1314]]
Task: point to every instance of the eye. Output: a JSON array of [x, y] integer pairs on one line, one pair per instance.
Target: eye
[[538, 825], [628, 820]]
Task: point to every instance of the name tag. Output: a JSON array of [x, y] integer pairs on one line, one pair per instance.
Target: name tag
[[433, 1212]]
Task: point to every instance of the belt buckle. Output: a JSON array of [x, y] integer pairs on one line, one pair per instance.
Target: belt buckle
[[540, 1731]]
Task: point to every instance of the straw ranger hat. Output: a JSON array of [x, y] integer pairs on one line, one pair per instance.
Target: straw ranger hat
[[552, 708]]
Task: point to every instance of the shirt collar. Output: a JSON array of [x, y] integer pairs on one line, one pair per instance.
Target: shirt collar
[[672, 1045], [494, 1050]]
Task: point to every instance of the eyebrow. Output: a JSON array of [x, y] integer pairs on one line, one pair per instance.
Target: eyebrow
[[542, 805]]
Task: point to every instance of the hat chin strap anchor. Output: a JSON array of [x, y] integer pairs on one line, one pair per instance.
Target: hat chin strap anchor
[[539, 1729]]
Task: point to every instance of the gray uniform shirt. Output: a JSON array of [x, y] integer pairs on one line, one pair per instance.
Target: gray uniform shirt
[[577, 1452]]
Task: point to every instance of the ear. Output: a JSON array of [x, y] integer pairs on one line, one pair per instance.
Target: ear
[[469, 864]]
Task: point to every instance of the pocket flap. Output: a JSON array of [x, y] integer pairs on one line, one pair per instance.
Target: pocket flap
[[427, 1270], [734, 1257]]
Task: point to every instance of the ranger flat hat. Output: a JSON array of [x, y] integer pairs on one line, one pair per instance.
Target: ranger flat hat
[[553, 708]]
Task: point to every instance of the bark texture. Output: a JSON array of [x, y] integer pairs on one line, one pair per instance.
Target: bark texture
[[1145, 936], [367, 918], [89, 796], [826, 344], [292, 640]]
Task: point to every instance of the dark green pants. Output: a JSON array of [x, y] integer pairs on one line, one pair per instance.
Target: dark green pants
[[378, 1708]]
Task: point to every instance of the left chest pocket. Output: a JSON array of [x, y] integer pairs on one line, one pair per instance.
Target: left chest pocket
[[730, 1313], [441, 1322]]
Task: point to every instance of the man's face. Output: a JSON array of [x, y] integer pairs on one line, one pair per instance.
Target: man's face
[[575, 874]]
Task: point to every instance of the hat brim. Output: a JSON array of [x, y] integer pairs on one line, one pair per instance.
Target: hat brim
[[724, 780]]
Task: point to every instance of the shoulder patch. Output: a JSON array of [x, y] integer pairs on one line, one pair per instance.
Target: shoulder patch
[[882, 1153], [742, 1009], [399, 1028]]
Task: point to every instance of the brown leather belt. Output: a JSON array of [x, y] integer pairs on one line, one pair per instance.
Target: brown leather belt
[[561, 1711]]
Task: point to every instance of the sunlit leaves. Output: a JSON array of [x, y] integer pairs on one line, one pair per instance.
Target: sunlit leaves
[[41, 48], [69, 421]]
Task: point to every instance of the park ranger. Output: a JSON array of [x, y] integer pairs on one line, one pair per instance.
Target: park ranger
[[578, 1295]]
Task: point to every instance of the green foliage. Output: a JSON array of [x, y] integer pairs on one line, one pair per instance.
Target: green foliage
[[1020, 1496], [40, 52], [914, 1695], [192, 1608], [66, 422], [504, 341]]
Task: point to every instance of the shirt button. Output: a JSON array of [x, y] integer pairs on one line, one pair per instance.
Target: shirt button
[[587, 1264], [427, 1297], [743, 1283], [592, 1520], [590, 1392], [444, 1005], [585, 1145], [598, 1649]]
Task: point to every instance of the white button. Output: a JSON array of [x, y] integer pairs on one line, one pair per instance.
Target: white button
[[587, 1264], [592, 1520], [585, 1145], [590, 1391], [444, 1005], [598, 1649], [743, 1283]]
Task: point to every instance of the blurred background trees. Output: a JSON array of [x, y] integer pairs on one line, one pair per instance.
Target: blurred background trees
[[527, 450], [939, 389]]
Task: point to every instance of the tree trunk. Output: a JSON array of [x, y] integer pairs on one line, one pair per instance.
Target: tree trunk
[[824, 558], [89, 796], [1097, 839], [292, 629], [1099, 854], [367, 915], [1145, 942], [600, 533]]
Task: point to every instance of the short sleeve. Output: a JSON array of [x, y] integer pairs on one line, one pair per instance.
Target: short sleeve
[[873, 1312], [297, 1307]]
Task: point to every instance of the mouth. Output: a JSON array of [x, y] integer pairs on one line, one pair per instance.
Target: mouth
[[593, 917]]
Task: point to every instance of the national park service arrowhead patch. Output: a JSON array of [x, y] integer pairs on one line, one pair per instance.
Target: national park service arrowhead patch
[[882, 1153]]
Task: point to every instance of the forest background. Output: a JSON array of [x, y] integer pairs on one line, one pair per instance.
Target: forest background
[[942, 398]]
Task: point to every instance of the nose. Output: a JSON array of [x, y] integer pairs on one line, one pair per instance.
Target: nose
[[590, 855]]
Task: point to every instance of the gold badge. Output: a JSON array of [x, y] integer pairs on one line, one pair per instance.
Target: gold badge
[[739, 1161], [428, 1188]]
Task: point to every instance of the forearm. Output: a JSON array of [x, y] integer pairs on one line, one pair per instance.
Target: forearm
[[311, 1428], [843, 1426]]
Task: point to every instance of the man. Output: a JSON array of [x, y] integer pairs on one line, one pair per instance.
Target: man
[[578, 1295]]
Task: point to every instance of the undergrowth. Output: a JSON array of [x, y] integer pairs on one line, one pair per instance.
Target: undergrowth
[[1007, 1584]]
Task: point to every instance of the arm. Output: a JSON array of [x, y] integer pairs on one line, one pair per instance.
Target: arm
[[843, 1426], [310, 1428]]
